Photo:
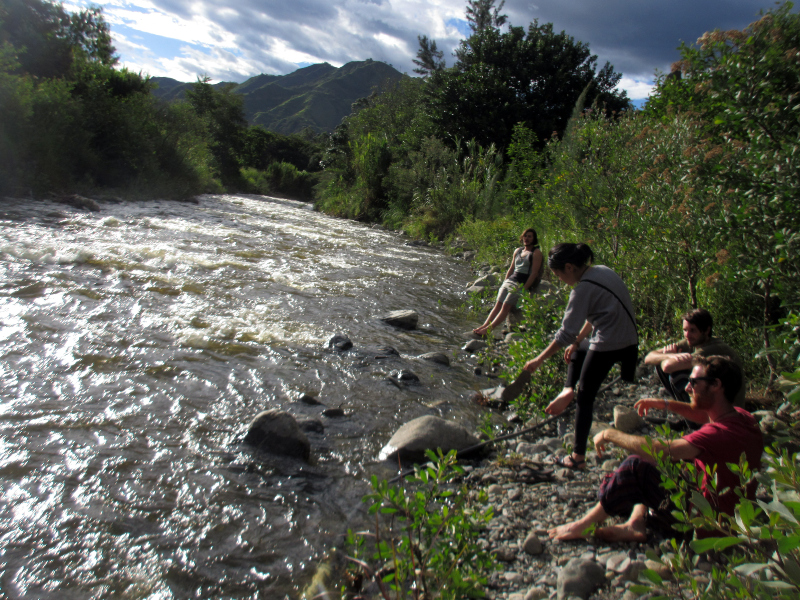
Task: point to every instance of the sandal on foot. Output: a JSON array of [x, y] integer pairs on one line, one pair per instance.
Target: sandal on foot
[[515, 388], [568, 462]]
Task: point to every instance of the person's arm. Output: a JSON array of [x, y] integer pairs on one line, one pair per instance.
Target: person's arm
[[656, 357], [677, 362], [585, 332], [533, 365], [536, 263], [678, 449], [644, 405]]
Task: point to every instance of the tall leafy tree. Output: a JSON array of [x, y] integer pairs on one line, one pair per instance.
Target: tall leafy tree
[[47, 39], [429, 58], [482, 14], [533, 77]]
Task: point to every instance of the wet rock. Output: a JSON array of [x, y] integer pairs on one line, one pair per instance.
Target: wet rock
[[626, 419], [437, 357], [308, 399], [333, 413], [404, 319], [386, 352], [403, 377], [475, 289], [311, 425], [277, 432], [580, 577], [79, 202], [474, 346], [340, 342], [427, 433]]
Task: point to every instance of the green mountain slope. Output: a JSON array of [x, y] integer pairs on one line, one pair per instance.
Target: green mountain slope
[[318, 96]]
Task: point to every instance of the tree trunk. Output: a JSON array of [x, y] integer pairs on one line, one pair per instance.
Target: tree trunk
[[773, 366]]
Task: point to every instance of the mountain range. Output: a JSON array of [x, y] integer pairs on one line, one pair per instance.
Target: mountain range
[[318, 96]]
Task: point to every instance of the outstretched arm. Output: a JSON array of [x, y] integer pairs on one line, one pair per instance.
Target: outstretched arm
[[678, 449], [533, 365], [644, 405]]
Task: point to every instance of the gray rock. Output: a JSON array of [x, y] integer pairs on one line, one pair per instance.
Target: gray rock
[[404, 319], [311, 425], [487, 280], [618, 562], [340, 342], [333, 413], [610, 465], [530, 449], [404, 376], [580, 578], [626, 419], [308, 399], [475, 289], [505, 554], [277, 432], [437, 357], [536, 593], [427, 433], [474, 345], [80, 202], [533, 545]]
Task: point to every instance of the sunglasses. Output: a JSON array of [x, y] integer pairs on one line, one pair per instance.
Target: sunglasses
[[694, 380]]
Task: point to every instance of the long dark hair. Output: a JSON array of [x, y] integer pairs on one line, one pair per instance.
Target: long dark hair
[[567, 253], [535, 236]]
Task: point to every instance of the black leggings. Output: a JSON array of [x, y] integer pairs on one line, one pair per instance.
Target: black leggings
[[589, 369]]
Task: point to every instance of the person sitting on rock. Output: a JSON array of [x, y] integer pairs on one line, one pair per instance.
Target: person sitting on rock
[[673, 362], [726, 433], [525, 272]]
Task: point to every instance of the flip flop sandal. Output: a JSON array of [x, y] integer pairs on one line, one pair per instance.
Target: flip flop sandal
[[571, 463], [516, 387]]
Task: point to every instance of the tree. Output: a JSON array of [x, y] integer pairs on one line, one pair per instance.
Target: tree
[[482, 15], [429, 58], [746, 99], [223, 112], [533, 77], [47, 39]]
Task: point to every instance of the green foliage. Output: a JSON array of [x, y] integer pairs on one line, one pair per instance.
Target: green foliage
[[281, 179], [754, 554], [426, 533], [501, 79]]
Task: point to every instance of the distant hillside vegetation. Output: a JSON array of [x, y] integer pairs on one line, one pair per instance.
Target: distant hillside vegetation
[[317, 96]]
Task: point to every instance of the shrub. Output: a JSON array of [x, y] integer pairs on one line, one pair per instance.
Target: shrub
[[427, 537]]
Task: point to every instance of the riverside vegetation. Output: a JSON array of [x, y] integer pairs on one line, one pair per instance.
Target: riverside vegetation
[[693, 198]]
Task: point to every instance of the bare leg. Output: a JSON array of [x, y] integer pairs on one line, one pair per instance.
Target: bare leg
[[562, 401], [578, 529], [633, 530], [488, 322]]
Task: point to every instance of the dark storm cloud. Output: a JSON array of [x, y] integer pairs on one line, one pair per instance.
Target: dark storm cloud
[[637, 36]]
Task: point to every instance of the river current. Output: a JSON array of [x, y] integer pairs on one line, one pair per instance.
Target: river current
[[138, 342]]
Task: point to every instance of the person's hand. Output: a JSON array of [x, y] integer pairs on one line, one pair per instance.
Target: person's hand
[[569, 350], [532, 366], [670, 349], [600, 443], [644, 405]]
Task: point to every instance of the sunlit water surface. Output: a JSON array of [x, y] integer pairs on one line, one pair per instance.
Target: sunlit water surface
[[138, 342]]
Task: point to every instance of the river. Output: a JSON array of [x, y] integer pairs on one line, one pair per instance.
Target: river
[[137, 343]]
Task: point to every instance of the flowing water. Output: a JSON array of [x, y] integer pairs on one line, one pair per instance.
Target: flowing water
[[138, 342]]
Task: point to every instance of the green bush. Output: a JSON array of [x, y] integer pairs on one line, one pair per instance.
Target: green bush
[[754, 554], [425, 543], [280, 179]]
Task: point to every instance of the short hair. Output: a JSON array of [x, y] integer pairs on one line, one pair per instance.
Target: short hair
[[567, 253], [724, 369], [535, 236], [700, 318]]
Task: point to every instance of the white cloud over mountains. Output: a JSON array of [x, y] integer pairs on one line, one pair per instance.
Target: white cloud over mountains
[[233, 40]]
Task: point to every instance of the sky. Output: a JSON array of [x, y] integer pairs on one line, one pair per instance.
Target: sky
[[233, 40]]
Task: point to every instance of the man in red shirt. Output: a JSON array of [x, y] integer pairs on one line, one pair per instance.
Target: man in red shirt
[[725, 434]]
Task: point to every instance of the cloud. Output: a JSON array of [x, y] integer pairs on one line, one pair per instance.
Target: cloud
[[236, 40]]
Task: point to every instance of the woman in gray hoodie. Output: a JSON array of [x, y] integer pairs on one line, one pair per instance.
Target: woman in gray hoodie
[[601, 310]]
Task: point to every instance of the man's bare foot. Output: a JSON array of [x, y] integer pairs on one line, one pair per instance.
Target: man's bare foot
[[562, 401], [569, 531], [626, 532]]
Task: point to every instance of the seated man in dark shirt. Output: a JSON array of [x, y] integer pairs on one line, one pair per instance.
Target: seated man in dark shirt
[[726, 433], [673, 363]]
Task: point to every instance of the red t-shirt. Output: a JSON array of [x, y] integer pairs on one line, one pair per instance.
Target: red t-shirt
[[723, 442]]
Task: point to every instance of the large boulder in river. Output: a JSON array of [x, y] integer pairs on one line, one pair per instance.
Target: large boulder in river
[[427, 433], [404, 319], [277, 432], [437, 357]]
